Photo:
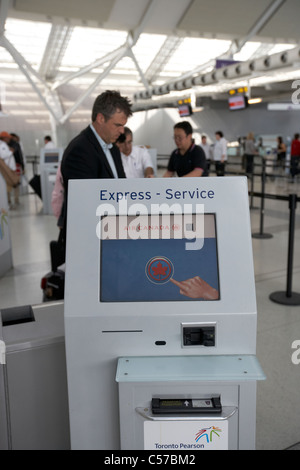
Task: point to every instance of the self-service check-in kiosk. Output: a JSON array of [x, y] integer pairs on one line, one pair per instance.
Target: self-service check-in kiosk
[[49, 162], [160, 314]]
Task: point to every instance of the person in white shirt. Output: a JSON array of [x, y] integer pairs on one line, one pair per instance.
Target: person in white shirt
[[137, 162], [48, 142], [6, 154], [220, 153]]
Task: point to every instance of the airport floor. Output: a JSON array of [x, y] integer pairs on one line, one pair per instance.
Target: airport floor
[[278, 398]]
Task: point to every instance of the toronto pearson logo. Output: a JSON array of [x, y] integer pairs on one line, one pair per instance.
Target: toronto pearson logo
[[208, 433]]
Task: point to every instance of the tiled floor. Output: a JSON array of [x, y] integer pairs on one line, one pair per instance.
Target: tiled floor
[[31, 232], [278, 401]]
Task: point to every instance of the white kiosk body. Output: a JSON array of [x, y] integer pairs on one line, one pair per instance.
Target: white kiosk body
[[133, 335], [49, 163]]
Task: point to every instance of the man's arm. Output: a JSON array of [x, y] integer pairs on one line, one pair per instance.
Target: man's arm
[[196, 172], [168, 174], [149, 173], [147, 163]]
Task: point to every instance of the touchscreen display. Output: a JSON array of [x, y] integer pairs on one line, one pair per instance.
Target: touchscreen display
[[51, 158], [158, 258]]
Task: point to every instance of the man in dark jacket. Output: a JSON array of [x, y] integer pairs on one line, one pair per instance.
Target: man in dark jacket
[[92, 154]]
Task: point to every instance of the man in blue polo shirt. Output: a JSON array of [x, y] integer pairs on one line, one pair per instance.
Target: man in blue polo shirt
[[188, 159]]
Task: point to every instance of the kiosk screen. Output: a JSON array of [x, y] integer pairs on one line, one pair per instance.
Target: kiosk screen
[[51, 158], [159, 258]]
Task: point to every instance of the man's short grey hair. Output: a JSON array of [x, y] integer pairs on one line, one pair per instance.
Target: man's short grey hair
[[108, 103]]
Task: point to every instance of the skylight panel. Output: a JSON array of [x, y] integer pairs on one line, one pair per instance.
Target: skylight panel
[[89, 44], [146, 48], [247, 51], [29, 38], [194, 52], [125, 65], [281, 47]]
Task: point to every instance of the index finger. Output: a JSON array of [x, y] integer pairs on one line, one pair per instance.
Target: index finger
[[177, 283]]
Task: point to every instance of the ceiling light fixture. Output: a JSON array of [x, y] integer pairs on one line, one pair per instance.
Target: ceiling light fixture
[[254, 100]]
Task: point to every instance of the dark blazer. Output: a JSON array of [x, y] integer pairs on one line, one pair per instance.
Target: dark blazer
[[85, 159]]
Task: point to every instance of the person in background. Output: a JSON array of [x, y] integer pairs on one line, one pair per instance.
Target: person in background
[[48, 142], [6, 151], [295, 156], [207, 150], [136, 160], [188, 159], [18, 152], [250, 151], [7, 155], [220, 153], [57, 197], [281, 152]]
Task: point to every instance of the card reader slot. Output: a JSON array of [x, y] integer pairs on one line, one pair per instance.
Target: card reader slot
[[227, 413], [164, 406], [198, 334]]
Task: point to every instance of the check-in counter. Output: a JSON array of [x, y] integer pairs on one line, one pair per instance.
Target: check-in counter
[[33, 384]]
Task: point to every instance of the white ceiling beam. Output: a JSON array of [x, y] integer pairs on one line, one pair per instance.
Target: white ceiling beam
[[20, 60], [134, 36], [131, 40], [142, 76], [114, 57], [257, 27], [97, 63], [92, 87], [30, 73], [147, 15]]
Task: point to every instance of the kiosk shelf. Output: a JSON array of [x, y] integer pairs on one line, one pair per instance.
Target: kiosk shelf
[[182, 368]]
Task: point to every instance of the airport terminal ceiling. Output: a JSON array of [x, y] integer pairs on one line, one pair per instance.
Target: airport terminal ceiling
[[145, 48]]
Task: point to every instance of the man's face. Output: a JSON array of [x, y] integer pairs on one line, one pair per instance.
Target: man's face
[[126, 147], [111, 129], [182, 140]]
